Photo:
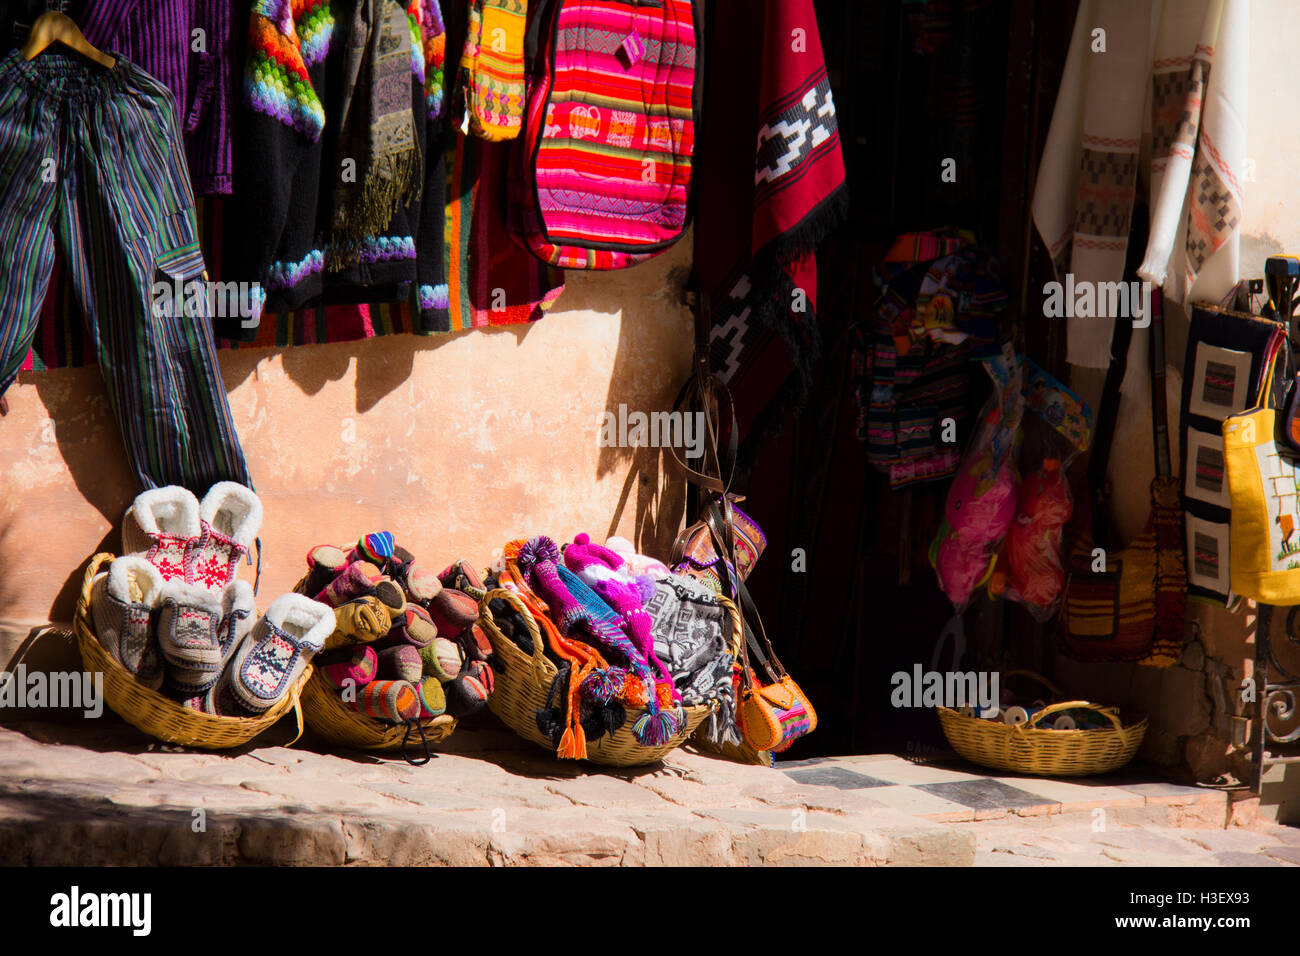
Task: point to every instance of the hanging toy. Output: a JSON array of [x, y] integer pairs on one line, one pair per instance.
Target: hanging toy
[[981, 503], [1034, 567]]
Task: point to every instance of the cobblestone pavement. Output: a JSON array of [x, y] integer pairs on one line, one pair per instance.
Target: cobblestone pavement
[[100, 793]]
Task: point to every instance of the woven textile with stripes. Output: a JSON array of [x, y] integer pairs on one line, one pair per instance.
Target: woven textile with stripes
[[610, 132]]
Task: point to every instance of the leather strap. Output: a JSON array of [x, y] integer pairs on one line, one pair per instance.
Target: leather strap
[[1103, 436], [1159, 401]]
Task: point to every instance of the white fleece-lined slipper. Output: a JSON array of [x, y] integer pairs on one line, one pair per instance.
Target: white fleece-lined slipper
[[230, 517], [273, 656], [162, 525], [122, 601], [188, 624]]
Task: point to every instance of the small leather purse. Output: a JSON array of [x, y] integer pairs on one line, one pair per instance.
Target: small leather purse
[[695, 554]]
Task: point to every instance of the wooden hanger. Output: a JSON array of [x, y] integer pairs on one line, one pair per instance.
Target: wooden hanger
[[52, 27]]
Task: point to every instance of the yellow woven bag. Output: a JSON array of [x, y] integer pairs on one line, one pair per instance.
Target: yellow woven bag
[[1264, 532]]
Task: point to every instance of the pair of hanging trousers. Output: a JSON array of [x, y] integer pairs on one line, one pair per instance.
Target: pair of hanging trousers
[[94, 157]]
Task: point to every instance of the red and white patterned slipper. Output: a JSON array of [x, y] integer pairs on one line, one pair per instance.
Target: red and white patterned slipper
[[230, 517], [162, 525]]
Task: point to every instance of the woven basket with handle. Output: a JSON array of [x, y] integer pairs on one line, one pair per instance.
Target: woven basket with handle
[[523, 683], [329, 716], [160, 716], [1030, 749]]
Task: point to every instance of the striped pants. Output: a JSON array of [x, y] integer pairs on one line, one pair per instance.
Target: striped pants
[[96, 155]]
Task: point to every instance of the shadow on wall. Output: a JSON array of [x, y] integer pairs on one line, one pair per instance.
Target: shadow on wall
[[481, 434]]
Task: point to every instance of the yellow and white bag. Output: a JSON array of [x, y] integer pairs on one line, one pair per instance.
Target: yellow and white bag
[[1264, 531]]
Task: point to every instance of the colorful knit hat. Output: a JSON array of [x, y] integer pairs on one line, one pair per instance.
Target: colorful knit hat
[[606, 573], [453, 611], [412, 626], [584, 658], [355, 580], [539, 560], [442, 659]]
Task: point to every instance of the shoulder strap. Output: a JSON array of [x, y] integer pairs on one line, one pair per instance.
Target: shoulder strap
[[1107, 413], [1159, 401]]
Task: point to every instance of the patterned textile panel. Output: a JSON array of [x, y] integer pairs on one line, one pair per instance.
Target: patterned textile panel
[[1222, 366], [613, 160]]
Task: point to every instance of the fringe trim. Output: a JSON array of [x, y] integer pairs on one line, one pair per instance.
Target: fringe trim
[[392, 182]]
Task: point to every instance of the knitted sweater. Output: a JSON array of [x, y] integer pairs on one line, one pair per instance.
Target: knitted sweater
[[286, 164]]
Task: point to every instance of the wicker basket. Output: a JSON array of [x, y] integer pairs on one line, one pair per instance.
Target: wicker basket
[[340, 724], [157, 715], [1029, 749], [523, 683]]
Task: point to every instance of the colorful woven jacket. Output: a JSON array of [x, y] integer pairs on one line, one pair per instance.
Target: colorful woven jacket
[[287, 170], [609, 132]]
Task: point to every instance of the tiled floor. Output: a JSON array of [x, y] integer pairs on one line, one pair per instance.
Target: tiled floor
[[957, 791]]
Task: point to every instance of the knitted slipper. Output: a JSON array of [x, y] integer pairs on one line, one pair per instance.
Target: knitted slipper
[[355, 580], [356, 664], [121, 602], [359, 622], [401, 662], [412, 626], [162, 524], [462, 576], [475, 640], [453, 611], [272, 657], [470, 690], [395, 701], [238, 615], [442, 659], [324, 563], [189, 619], [230, 516], [433, 702]]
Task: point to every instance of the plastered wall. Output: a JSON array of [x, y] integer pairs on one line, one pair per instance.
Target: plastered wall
[[455, 443]]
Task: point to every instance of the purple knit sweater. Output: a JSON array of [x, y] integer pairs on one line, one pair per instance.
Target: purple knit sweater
[[163, 37]]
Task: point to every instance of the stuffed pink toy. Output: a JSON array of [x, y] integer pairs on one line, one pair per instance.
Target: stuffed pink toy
[[605, 572], [980, 508], [1035, 571]]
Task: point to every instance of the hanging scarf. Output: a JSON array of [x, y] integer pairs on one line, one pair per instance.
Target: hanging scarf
[[1179, 70], [376, 129]]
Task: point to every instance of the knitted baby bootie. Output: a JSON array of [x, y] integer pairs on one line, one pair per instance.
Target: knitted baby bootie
[[359, 622], [433, 702], [230, 517], [274, 654], [121, 602], [163, 526], [189, 624], [395, 701]]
